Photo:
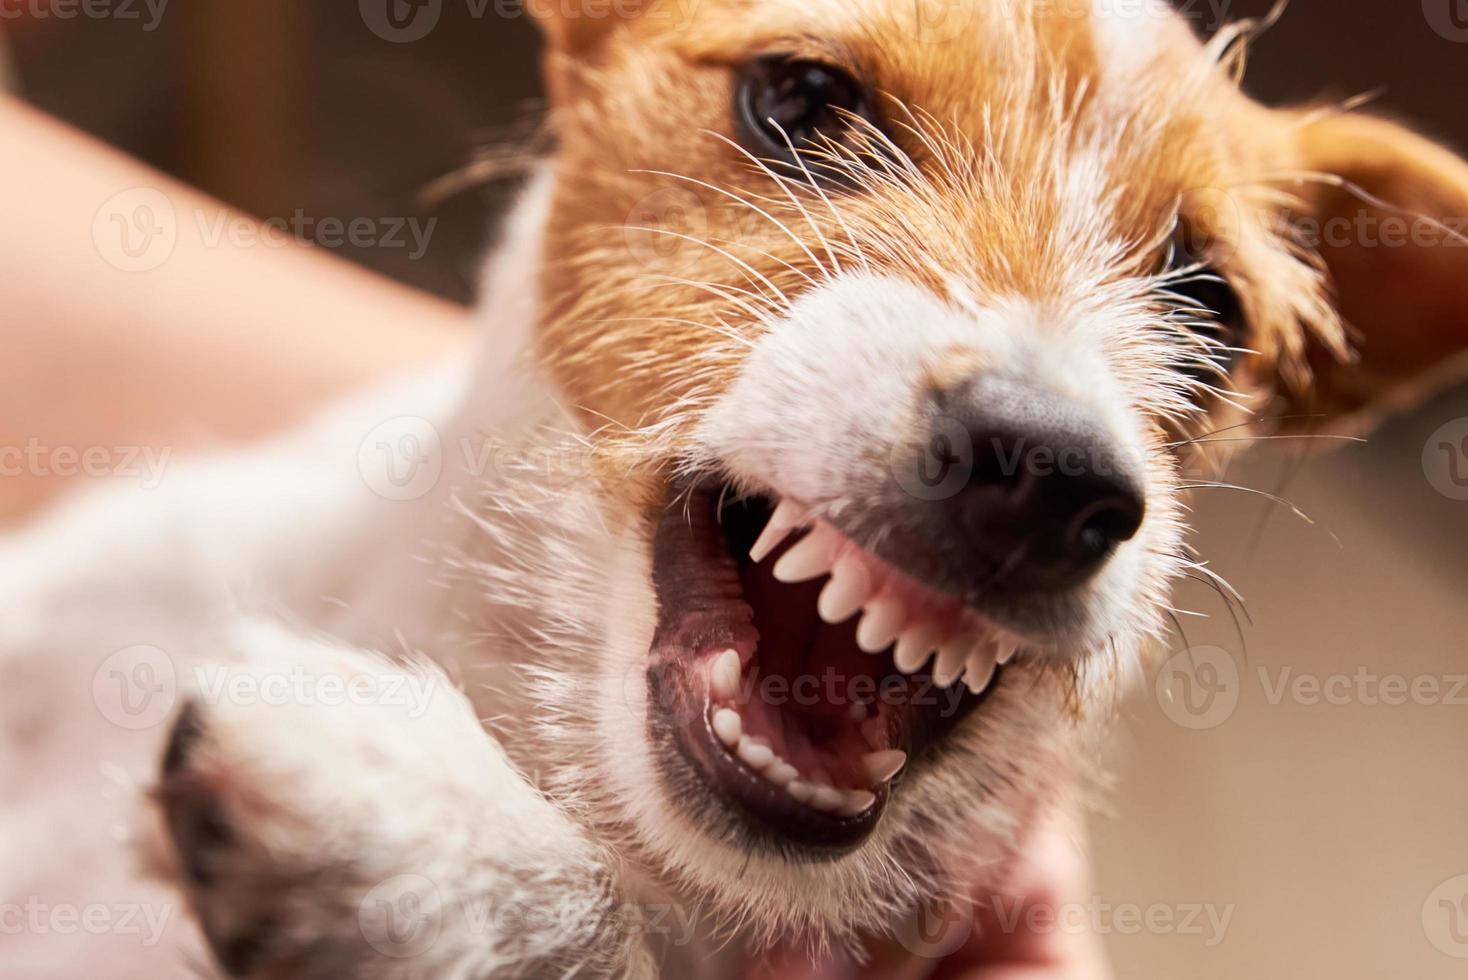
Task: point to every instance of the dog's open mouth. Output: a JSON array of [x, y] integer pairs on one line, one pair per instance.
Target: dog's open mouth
[[797, 673]]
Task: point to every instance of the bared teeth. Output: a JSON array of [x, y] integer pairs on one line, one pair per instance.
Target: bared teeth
[[755, 755], [845, 593], [787, 517], [879, 624], [724, 676], [811, 557], [827, 798], [882, 766], [895, 615], [914, 646], [781, 773], [728, 726], [952, 658], [980, 669], [856, 801]]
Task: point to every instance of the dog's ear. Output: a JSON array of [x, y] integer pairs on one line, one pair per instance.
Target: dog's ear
[[1393, 234]]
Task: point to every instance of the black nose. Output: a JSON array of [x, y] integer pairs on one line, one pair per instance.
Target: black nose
[[1036, 494]]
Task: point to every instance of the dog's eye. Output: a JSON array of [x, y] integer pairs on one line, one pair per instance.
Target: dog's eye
[[791, 111], [1212, 309]]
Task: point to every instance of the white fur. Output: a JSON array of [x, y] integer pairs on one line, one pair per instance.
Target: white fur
[[514, 586]]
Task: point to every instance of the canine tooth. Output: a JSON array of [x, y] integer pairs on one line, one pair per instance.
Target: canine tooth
[[827, 798], [845, 593], [728, 726], [879, 625], [980, 670], [724, 676], [1007, 649], [811, 558], [855, 801], [882, 766], [786, 518], [913, 647], [952, 656], [781, 773], [802, 791], [754, 755]]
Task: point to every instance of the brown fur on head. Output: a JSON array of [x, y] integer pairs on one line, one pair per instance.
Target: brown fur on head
[[1037, 189]]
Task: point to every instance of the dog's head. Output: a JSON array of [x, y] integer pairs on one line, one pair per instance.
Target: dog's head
[[909, 318]]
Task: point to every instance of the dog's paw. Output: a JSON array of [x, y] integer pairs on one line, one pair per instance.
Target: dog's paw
[[258, 874], [382, 839]]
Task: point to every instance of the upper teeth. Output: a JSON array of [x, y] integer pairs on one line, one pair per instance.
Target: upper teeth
[[885, 618]]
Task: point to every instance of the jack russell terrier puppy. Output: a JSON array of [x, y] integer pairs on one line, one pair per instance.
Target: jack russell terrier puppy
[[818, 486]]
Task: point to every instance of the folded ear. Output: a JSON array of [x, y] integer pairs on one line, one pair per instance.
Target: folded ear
[[1394, 239]]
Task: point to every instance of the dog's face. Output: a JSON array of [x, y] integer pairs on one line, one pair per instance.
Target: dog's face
[[908, 319]]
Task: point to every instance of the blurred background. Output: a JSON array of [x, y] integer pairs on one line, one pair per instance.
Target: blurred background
[[1290, 795]]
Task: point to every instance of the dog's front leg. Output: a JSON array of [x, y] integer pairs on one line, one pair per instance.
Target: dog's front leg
[[334, 814]]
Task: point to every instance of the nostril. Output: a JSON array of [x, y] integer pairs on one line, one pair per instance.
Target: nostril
[[1106, 523]]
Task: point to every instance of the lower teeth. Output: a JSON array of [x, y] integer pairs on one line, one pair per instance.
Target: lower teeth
[[814, 791]]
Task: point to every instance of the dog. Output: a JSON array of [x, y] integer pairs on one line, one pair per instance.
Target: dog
[[817, 489]]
